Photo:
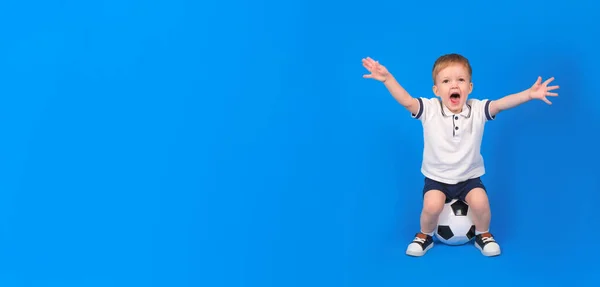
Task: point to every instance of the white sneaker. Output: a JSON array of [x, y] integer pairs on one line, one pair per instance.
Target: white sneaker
[[486, 243], [420, 245]]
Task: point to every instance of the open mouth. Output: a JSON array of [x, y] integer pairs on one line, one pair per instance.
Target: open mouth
[[455, 98]]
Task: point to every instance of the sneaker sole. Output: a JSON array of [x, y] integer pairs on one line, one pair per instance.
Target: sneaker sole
[[488, 254], [419, 253]]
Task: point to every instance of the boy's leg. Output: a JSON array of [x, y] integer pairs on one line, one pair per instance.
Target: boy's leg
[[479, 205], [433, 204], [480, 208]]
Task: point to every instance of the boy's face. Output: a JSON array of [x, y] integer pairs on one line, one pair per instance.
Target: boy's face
[[453, 85]]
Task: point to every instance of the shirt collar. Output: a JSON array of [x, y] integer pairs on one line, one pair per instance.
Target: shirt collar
[[466, 111]]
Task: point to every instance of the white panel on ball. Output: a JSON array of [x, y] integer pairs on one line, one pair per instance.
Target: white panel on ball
[[455, 226]]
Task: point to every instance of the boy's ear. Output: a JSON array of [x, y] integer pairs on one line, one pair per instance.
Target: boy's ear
[[471, 88], [435, 90]]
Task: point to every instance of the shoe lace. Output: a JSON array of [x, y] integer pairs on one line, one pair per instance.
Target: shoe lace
[[487, 239], [419, 240]]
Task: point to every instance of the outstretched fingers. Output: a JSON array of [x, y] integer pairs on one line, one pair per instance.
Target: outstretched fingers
[[550, 88], [546, 101], [367, 64], [547, 81]]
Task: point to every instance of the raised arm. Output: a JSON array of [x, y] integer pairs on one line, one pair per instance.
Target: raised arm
[[538, 91], [380, 73]]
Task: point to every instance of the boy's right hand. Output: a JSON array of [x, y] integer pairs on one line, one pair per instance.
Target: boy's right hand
[[378, 71]]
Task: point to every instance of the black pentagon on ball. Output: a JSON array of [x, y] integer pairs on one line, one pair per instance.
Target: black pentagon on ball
[[460, 208], [445, 232], [471, 232]]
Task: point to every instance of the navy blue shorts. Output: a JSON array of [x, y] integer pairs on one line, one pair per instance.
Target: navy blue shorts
[[453, 191]]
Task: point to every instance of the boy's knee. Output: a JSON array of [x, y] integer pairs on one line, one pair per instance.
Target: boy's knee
[[433, 202], [477, 200]]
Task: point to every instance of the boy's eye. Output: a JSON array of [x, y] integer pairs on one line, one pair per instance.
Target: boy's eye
[[445, 81], [462, 80]]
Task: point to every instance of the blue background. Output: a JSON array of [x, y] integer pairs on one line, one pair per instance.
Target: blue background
[[182, 143]]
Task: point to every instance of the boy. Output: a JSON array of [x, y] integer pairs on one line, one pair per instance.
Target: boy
[[453, 129]]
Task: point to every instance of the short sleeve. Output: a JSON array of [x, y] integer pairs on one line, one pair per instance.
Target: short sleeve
[[486, 110], [482, 109], [426, 108]]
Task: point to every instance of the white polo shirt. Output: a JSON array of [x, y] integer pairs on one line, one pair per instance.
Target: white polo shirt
[[452, 142]]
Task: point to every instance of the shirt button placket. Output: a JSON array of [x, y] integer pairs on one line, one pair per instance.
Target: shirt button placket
[[455, 131]]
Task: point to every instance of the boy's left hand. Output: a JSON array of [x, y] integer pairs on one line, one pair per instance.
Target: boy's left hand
[[540, 90]]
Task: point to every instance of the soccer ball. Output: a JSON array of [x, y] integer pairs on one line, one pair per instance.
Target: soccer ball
[[455, 226]]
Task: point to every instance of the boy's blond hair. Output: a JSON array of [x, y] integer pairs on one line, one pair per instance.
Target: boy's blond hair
[[450, 59]]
